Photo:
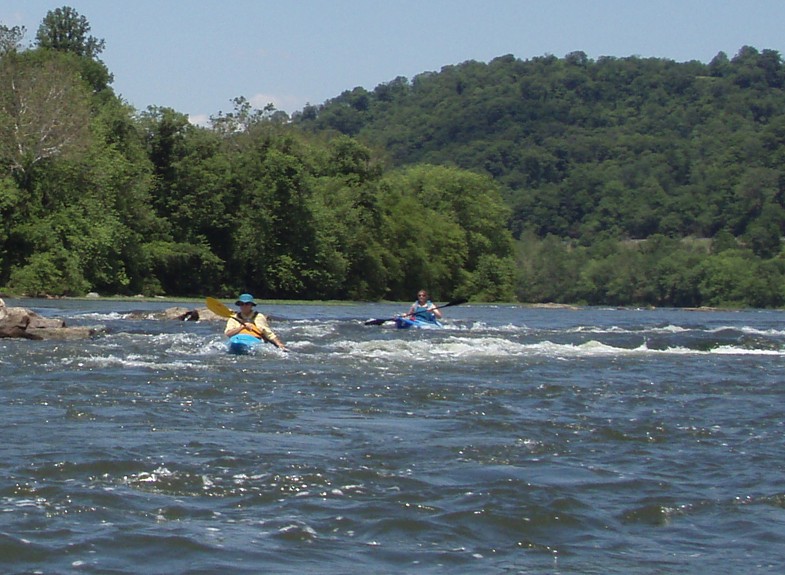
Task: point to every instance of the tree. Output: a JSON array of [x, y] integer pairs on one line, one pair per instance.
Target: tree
[[244, 117], [352, 257], [737, 278], [65, 30], [445, 224], [548, 269], [10, 198], [47, 273], [11, 38], [44, 109]]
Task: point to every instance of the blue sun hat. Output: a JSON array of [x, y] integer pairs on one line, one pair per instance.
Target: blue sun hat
[[245, 298]]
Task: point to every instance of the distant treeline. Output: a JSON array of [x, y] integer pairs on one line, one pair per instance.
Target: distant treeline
[[592, 154], [96, 196], [618, 181]]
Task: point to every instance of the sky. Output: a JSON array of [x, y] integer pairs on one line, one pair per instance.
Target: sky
[[196, 56]]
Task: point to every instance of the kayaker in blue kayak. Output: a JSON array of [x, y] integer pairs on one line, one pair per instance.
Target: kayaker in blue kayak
[[248, 321], [423, 309]]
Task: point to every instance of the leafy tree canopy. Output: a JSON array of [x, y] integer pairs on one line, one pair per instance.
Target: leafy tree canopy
[[611, 181], [63, 29]]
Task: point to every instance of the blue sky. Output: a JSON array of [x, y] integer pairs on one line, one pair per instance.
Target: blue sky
[[196, 56]]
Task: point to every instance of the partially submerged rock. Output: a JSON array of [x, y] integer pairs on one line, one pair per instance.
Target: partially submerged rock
[[19, 322], [69, 333], [177, 313]]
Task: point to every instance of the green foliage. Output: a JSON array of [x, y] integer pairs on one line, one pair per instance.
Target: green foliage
[[11, 39], [190, 187], [444, 223], [10, 197], [596, 153], [547, 269], [49, 273], [346, 203], [184, 269], [620, 181], [659, 271], [44, 110], [627, 146], [492, 280], [735, 279], [63, 29]]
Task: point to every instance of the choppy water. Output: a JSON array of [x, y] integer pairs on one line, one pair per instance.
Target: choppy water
[[513, 441]]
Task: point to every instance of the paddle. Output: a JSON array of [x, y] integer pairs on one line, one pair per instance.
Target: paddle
[[218, 308], [448, 304]]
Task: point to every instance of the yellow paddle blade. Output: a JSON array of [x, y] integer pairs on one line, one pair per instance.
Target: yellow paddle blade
[[218, 308]]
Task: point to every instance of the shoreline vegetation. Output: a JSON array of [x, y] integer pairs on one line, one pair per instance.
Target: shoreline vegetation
[[620, 181], [338, 303]]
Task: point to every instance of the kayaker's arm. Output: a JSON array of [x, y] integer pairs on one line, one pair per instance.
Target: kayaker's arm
[[238, 329], [277, 343], [242, 325], [267, 334], [431, 309]]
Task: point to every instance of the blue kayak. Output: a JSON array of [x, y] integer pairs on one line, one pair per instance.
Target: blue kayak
[[242, 344], [418, 322]]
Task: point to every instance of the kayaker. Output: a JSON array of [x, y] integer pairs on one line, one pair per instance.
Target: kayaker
[[424, 308], [252, 322]]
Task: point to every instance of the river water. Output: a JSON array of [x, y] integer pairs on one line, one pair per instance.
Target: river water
[[515, 440]]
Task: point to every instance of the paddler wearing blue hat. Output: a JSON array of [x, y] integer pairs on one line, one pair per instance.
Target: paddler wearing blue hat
[[251, 322]]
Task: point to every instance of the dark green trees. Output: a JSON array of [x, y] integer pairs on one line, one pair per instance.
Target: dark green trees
[[75, 198], [617, 181], [588, 152]]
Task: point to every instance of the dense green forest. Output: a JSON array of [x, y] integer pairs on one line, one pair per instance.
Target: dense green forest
[[97, 196], [620, 181]]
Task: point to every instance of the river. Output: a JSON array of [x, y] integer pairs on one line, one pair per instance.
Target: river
[[514, 440]]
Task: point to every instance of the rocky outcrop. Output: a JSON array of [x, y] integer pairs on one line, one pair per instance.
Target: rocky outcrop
[[177, 313], [19, 322]]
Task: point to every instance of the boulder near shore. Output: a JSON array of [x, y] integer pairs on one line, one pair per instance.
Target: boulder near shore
[[19, 322]]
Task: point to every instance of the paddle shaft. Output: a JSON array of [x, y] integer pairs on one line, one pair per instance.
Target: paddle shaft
[[448, 304]]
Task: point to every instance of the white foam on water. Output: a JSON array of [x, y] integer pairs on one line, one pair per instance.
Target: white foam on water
[[414, 350], [137, 361]]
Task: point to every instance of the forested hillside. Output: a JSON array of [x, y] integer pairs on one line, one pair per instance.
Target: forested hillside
[[621, 181], [96, 196], [592, 154]]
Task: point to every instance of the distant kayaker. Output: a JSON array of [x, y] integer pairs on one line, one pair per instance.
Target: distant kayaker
[[251, 322], [424, 308]]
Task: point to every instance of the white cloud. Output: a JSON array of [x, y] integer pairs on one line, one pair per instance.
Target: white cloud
[[199, 119], [288, 104]]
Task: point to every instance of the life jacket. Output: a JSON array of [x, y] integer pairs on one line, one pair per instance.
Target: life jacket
[[421, 311], [245, 330]]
